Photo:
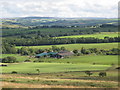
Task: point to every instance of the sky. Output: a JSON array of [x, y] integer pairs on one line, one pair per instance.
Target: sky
[[59, 8]]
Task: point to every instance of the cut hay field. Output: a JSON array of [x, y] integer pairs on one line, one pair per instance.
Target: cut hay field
[[78, 46], [96, 35], [51, 67]]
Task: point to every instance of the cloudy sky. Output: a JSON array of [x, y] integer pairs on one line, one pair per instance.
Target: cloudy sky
[[59, 8]]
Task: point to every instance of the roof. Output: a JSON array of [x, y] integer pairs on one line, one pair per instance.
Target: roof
[[43, 54]]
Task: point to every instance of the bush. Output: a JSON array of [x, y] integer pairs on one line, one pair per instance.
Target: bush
[[88, 73], [102, 74], [9, 59], [27, 60], [14, 72]]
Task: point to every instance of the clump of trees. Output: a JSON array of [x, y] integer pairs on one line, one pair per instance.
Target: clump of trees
[[84, 51], [9, 59], [102, 74], [14, 72], [89, 73], [8, 48]]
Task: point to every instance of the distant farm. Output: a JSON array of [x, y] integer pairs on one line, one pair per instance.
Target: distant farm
[[44, 52]]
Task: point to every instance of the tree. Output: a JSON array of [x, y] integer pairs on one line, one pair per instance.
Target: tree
[[14, 72], [38, 71], [24, 51], [9, 59], [63, 48], [55, 48], [102, 74], [75, 51], [88, 73], [83, 50]]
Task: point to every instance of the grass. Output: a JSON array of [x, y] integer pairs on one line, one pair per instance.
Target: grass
[[89, 59], [68, 80], [96, 35], [78, 46], [50, 67]]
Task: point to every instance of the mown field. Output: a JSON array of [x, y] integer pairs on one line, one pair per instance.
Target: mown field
[[100, 35], [90, 59], [51, 67], [48, 65], [79, 46]]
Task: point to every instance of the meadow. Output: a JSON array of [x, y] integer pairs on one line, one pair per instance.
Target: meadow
[[78, 46], [51, 67], [100, 35], [89, 59]]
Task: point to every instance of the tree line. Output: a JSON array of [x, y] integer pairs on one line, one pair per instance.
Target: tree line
[[55, 41], [10, 49], [55, 31]]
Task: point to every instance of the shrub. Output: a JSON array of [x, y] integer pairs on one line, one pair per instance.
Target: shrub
[[102, 74], [9, 59], [38, 70], [13, 81], [88, 73], [27, 60], [14, 72]]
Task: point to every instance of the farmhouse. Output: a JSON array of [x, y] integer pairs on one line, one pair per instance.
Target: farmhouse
[[54, 54]]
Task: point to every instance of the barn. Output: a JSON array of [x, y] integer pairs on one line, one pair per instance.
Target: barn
[[65, 53], [49, 54], [60, 54]]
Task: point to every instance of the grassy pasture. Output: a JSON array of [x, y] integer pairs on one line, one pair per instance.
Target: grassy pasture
[[47, 80], [89, 59], [78, 46], [96, 35], [50, 67]]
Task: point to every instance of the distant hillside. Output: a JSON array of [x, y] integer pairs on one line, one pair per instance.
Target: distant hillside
[[49, 21]]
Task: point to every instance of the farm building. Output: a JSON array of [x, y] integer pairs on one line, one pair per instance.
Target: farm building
[[54, 54], [65, 53], [45, 54]]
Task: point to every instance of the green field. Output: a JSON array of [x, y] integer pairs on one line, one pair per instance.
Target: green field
[[79, 46], [80, 63], [50, 67], [96, 35], [89, 59]]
